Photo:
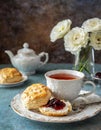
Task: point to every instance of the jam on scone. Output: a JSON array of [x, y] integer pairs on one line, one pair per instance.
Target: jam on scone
[[55, 104]]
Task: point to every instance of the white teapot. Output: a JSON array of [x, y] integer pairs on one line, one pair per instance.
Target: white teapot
[[26, 60]]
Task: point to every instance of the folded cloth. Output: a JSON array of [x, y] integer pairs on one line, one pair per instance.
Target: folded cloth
[[86, 100]]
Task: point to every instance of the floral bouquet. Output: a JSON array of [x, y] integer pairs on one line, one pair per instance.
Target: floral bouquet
[[79, 39]]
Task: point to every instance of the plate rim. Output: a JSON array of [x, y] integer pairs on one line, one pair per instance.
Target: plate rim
[[25, 78], [52, 119]]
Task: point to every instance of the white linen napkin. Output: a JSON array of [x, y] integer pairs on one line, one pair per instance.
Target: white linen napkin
[[86, 100]]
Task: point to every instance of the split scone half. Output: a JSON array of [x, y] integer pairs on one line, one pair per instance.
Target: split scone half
[[56, 107], [35, 96], [10, 75]]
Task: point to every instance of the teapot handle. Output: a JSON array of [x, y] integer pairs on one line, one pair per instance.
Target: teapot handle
[[46, 57]]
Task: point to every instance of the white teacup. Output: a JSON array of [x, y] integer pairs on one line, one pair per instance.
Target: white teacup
[[66, 84]]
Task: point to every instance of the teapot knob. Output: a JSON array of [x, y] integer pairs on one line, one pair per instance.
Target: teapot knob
[[26, 45]]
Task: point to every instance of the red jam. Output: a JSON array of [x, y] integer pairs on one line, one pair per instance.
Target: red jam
[[55, 104], [98, 75]]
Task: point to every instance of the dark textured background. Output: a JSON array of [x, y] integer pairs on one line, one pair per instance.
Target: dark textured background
[[32, 20]]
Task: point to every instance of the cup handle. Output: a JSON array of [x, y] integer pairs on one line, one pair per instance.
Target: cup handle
[[90, 92]]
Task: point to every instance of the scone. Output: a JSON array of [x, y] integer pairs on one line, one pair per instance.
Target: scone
[[56, 107], [10, 75], [35, 96]]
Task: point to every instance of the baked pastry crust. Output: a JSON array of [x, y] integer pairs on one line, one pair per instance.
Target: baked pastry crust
[[35, 96], [52, 112], [10, 75]]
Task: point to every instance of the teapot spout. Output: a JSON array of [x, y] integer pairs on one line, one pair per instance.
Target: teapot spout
[[10, 54]]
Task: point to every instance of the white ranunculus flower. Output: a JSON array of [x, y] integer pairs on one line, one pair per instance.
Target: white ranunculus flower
[[60, 30], [92, 24], [95, 40], [75, 39]]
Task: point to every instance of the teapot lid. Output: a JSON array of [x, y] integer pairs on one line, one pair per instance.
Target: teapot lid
[[25, 50]]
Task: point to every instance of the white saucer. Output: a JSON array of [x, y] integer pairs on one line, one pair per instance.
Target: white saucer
[[96, 78], [14, 84], [87, 112]]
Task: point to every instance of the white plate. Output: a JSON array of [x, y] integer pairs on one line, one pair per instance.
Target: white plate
[[14, 84], [96, 78], [87, 112]]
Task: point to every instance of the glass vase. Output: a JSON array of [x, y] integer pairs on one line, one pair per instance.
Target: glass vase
[[84, 62]]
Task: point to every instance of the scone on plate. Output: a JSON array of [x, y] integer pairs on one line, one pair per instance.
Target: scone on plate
[[35, 96], [56, 107], [10, 75]]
